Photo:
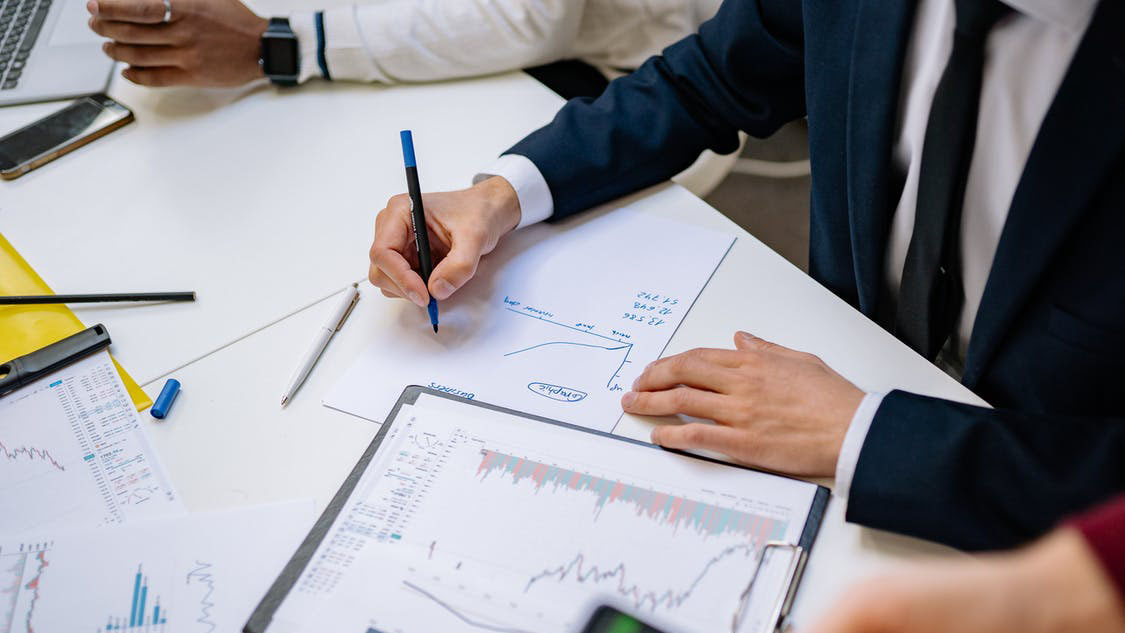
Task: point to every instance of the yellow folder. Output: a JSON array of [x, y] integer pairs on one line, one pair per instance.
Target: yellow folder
[[24, 329]]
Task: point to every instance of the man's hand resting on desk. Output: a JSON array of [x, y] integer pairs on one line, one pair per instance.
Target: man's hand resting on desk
[[775, 408], [463, 226], [206, 42]]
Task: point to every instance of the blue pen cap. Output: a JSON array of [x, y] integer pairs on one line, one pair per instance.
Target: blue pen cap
[[164, 401], [407, 148]]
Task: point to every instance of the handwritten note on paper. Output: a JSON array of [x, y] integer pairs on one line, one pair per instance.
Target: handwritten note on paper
[[558, 321]]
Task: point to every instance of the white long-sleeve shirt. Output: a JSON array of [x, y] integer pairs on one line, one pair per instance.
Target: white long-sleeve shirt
[[392, 41], [1028, 53]]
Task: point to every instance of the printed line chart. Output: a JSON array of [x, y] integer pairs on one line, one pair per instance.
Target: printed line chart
[[584, 572], [30, 453]]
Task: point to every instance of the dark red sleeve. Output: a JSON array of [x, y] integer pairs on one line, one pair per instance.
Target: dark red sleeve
[[1104, 529]]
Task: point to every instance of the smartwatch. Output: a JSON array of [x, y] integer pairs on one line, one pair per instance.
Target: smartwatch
[[280, 60]]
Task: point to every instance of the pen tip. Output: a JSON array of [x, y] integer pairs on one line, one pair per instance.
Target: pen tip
[[435, 328], [284, 400]]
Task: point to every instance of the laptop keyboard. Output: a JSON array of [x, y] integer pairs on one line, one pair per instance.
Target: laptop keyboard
[[20, 23]]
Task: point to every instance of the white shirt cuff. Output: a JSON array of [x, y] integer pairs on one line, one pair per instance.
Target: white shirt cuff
[[853, 441], [304, 27], [536, 203]]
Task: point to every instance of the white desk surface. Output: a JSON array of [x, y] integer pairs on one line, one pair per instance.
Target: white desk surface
[[264, 203]]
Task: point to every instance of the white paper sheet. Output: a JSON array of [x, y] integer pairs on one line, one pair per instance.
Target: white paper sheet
[[201, 573], [537, 514], [558, 321], [73, 453]]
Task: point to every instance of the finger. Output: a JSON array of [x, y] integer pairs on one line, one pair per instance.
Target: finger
[[140, 11], [142, 56], [457, 267], [685, 400], [130, 33], [747, 342], [157, 77], [700, 368], [381, 281], [392, 236], [698, 435]]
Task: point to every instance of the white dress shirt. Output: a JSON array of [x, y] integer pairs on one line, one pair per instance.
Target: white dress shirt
[[393, 41], [1028, 53]]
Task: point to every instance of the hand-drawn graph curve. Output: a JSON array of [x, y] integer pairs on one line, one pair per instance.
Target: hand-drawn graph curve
[[568, 362]]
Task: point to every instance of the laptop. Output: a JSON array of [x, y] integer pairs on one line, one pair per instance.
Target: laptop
[[47, 52]]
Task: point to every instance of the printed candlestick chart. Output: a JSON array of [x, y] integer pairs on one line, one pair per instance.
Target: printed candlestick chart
[[21, 572], [704, 518]]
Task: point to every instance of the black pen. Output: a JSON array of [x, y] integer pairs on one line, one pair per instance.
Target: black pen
[[418, 219], [97, 298]]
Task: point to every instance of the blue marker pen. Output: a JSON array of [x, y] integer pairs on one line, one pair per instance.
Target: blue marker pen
[[418, 219]]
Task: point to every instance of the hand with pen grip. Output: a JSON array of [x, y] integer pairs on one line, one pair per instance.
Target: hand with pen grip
[[462, 226]]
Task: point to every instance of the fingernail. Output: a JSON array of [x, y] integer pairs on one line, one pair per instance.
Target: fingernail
[[441, 289], [655, 436], [417, 299], [745, 336], [92, 7], [628, 399], [105, 45]]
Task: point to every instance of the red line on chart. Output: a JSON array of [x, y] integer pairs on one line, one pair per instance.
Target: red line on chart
[[31, 452]]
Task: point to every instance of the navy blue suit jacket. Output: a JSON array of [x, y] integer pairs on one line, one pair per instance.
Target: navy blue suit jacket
[[1048, 344]]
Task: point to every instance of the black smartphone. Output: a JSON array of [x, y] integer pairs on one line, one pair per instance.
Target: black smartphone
[[61, 132], [606, 619]]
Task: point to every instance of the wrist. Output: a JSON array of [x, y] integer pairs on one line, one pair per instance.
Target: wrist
[[503, 203]]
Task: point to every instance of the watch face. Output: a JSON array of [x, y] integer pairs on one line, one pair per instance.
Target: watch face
[[279, 55]]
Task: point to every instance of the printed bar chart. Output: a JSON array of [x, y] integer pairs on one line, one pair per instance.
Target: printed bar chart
[[137, 619]]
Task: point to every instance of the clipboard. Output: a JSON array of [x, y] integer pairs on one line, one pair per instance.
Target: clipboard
[[263, 615]]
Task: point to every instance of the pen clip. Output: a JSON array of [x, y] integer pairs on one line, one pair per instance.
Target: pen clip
[[351, 306]]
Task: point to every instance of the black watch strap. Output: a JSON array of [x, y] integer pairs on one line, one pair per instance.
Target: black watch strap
[[280, 56]]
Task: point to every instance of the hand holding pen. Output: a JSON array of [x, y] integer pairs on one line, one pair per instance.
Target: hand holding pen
[[464, 225]]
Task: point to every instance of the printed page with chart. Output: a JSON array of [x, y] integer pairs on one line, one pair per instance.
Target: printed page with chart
[[469, 520], [201, 573], [558, 321], [73, 453]]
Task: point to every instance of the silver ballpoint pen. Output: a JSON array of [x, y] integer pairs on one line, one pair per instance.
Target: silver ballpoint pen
[[324, 334]]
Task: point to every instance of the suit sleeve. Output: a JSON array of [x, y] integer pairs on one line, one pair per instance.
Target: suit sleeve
[[978, 478], [743, 71], [1104, 530]]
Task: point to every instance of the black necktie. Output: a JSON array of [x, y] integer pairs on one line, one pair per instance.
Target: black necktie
[[931, 295]]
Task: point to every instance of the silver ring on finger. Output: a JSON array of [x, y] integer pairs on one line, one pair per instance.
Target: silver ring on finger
[[167, 11]]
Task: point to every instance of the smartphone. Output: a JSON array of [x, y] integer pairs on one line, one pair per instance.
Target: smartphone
[[64, 131], [607, 619]]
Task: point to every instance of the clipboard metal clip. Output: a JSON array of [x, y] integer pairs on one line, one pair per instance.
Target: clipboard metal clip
[[791, 580]]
